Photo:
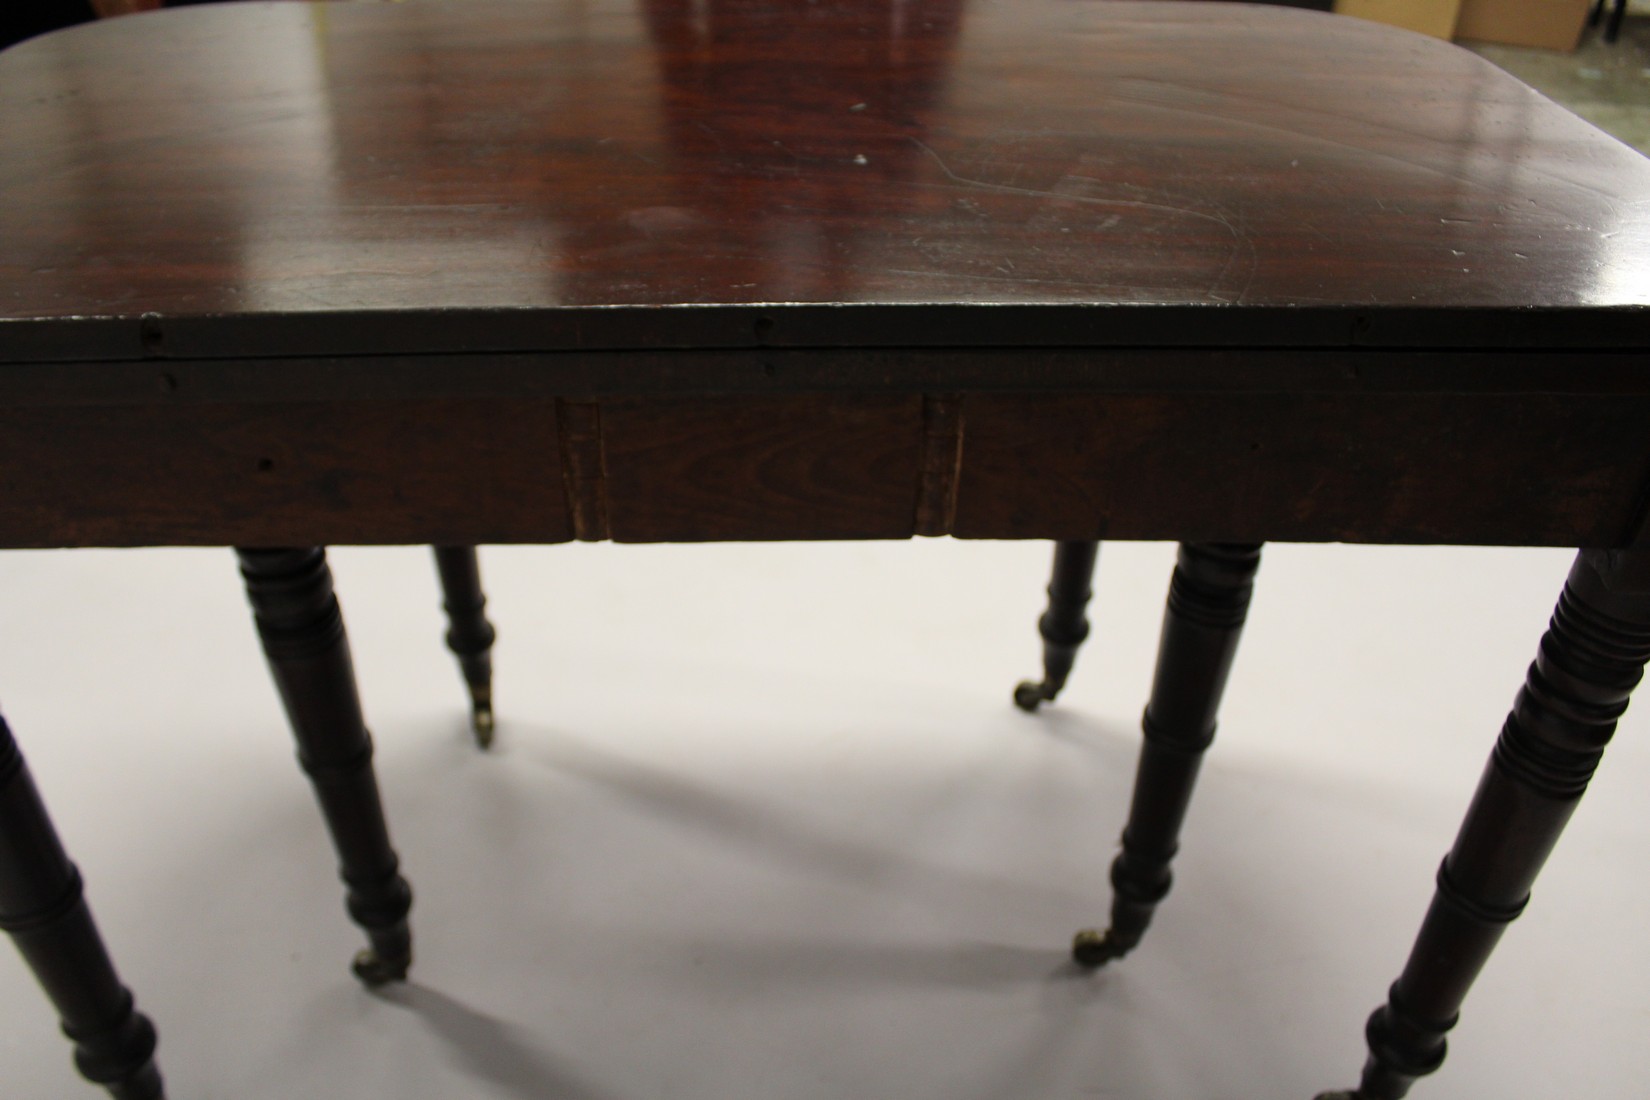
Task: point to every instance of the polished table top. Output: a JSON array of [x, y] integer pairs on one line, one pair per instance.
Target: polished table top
[[1004, 268]]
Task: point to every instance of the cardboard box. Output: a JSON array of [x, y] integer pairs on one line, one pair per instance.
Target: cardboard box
[[1552, 24], [1434, 17]]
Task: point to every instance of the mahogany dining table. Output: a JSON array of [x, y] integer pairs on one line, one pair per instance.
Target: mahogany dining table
[[279, 276]]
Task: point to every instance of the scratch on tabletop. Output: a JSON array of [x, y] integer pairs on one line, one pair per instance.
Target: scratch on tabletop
[[1043, 193], [1238, 235]]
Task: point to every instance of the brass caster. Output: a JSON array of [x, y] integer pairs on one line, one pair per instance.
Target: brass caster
[[1030, 695], [481, 721], [374, 969], [481, 715], [1091, 949]]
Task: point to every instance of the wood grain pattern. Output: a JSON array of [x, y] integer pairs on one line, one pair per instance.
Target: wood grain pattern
[[490, 272], [584, 468], [226, 165], [1522, 469], [942, 451], [222, 474], [842, 467], [676, 270]]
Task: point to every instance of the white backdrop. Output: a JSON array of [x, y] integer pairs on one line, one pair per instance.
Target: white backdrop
[[763, 823]]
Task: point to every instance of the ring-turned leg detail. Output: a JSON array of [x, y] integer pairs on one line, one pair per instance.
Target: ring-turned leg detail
[[469, 635], [303, 637], [1589, 661], [1063, 626], [1208, 603], [43, 909]]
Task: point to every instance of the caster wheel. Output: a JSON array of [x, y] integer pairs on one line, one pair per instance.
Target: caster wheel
[[374, 969], [1028, 696], [1091, 949], [481, 715]]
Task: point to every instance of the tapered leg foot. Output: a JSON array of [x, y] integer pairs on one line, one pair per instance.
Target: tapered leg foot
[[469, 635], [302, 631], [1028, 695], [1093, 948], [43, 909], [374, 969], [1589, 660], [481, 714], [1063, 626], [1208, 604]]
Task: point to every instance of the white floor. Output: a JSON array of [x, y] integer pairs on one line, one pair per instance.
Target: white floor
[[762, 823]]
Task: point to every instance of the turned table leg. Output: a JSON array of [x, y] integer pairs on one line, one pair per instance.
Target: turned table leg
[[303, 637], [43, 909], [1063, 625], [469, 635], [1208, 602], [1589, 661]]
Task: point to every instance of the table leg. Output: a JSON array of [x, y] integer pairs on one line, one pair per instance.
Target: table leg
[[1589, 661], [1618, 13], [43, 909], [303, 637], [1208, 603], [469, 635], [1063, 625]]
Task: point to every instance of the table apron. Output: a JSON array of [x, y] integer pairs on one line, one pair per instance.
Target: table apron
[[1351, 464]]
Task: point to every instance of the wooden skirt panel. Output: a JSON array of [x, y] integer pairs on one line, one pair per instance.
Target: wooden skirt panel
[[1477, 469], [278, 474], [1521, 468]]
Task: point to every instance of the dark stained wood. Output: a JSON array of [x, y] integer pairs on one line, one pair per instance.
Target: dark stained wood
[[469, 635], [581, 376], [584, 468], [1522, 468], [43, 909], [1063, 626], [301, 629], [348, 472], [328, 267], [1208, 604], [1430, 468], [842, 467], [1587, 665], [285, 275], [260, 163], [942, 452]]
